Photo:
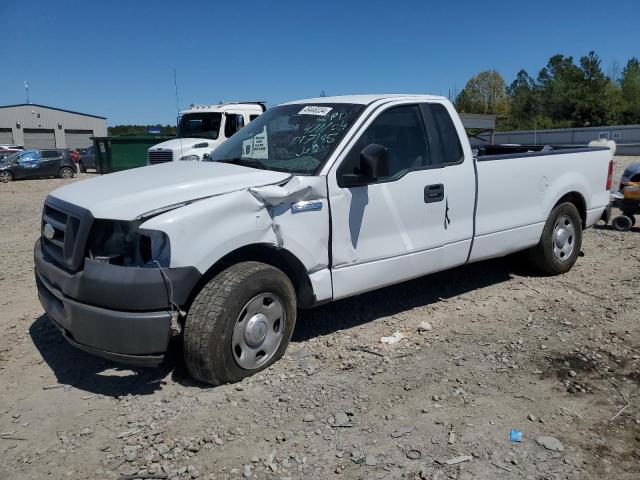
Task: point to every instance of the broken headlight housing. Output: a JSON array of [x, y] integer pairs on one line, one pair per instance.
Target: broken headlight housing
[[123, 243]]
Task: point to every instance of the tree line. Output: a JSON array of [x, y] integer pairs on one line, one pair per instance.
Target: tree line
[[140, 129], [564, 94]]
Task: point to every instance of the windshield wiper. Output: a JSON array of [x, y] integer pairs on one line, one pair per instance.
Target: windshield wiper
[[247, 162]]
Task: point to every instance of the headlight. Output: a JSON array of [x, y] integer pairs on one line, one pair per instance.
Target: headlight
[[123, 243], [192, 158]]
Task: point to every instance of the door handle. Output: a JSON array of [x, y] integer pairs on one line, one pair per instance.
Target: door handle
[[434, 193]]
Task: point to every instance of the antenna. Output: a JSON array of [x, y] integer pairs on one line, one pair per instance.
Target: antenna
[[175, 84], [26, 87]]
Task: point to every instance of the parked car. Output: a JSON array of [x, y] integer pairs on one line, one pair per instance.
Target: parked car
[[37, 163], [87, 159], [313, 201]]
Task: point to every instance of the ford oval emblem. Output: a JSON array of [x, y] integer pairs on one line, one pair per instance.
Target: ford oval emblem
[[48, 232]]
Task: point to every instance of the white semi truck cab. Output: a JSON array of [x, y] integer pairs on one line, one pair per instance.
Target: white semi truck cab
[[202, 128]]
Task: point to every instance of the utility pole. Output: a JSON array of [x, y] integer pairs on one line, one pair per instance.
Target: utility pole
[[26, 87]]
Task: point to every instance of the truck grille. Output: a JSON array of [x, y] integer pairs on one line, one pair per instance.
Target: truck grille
[[159, 156], [70, 231]]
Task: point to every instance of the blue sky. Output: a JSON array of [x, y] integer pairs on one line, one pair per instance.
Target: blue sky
[[116, 58]]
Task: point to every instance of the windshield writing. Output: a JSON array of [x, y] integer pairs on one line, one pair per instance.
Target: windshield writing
[[293, 138]]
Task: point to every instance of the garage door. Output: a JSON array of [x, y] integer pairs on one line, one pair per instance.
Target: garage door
[[6, 136], [37, 138], [78, 138]]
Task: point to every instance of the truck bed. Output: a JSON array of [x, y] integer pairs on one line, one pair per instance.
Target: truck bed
[[514, 198]]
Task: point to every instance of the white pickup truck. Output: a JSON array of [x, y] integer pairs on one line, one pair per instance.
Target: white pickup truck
[[202, 128], [313, 201]]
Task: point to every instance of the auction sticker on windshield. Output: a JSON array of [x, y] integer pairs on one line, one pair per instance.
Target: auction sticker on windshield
[[315, 110]]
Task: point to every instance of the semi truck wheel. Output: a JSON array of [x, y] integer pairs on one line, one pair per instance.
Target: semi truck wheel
[[240, 323], [560, 242]]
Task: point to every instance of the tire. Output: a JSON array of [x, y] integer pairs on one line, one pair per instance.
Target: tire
[[82, 168], [560, 241], [66, 172], [6, 176], [631, 217], [622, 223], [234, 318]]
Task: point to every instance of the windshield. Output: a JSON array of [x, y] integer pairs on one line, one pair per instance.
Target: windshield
[[9, 157], [199, 125], [294, 138]]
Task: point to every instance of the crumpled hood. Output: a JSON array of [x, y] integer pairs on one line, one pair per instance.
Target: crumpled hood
[[185, 144], [132, 193]]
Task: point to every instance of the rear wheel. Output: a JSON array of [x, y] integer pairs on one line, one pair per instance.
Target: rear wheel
[[82, 168], [6, 176], [560, 242], [240, 323], [65, 172]]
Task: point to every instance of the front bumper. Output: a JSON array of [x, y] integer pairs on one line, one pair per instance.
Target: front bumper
[[119, 313]]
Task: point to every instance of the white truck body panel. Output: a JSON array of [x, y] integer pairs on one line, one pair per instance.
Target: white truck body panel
[[515, 197], [130, 194], [351, 240]]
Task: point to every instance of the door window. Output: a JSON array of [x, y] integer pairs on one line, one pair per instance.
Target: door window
[[444, 143], [50, 154], [401, 131], [233, 124], [30, 158]]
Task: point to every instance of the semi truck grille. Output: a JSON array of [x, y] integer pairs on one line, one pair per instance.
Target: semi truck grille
[[161, 156], [64, 233]]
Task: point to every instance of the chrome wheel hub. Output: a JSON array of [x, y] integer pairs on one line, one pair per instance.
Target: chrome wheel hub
[[258, 331], [564, 234]]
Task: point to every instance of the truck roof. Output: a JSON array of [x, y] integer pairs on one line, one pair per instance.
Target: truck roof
[[227, 107], [365, 99]]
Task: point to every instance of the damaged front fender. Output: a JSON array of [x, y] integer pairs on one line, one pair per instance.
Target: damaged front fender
[[203, 232]]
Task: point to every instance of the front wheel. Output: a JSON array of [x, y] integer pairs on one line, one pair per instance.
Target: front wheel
[[65, 172], [6, 176], [82, 168], [240, 323], [560, 241]]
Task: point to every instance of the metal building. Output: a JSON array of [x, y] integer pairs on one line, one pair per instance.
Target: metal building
[[38, 126]]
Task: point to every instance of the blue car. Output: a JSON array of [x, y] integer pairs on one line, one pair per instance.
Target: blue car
[[37, 163]]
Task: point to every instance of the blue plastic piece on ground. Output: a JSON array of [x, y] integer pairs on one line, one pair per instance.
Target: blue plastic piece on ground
[[515, 435]]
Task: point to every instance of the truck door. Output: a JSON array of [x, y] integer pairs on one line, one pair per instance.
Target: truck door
[[402, 226]]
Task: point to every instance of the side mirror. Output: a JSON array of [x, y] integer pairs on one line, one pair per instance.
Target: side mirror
[[374, 164]]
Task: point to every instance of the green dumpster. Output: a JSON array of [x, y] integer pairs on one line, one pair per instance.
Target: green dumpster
[[114, 154]]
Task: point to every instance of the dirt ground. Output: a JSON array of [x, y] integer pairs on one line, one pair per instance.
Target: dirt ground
[[554, 357]]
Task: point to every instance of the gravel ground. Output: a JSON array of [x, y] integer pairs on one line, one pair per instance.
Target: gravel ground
[[487, 348]]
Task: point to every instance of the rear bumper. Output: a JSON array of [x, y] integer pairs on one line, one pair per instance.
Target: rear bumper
[[119, 313]]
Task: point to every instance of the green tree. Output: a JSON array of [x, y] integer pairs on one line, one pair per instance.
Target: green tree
[[598, 101], [577, 95], [630, 92], [525, 109], [485, 93]]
